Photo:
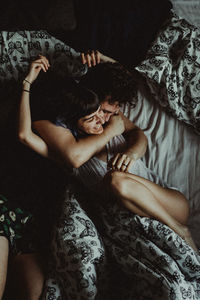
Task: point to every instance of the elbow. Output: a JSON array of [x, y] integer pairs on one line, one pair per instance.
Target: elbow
[[23, 138], [75, 161]]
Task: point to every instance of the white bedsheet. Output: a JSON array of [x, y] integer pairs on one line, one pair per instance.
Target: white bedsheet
[[173, 151]]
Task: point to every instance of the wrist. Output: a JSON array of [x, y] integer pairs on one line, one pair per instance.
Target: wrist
[[27, 81], [26, 85], [109, 132]]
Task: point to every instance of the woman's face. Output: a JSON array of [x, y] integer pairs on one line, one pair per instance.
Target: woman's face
[[92, 124]]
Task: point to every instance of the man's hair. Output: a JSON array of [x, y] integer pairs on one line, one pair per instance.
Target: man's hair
[[110, 79]]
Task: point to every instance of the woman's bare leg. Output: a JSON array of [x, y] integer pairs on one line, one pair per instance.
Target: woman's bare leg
[[28, 275], [172, 200], [154, 201], [4, 249]]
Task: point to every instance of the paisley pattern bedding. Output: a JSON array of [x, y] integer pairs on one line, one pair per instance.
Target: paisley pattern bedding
[[172, 70], [146, 258], [17, 49]]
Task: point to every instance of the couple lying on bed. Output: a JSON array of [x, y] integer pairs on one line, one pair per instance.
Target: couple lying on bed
[[86, 116], [104, 155]]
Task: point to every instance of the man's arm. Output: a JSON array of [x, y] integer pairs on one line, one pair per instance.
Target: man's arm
[[136, 139], [93, 58], [136, 146]]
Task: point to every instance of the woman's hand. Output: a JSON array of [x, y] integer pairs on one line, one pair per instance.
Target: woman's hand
[[94, 57], [122, 162], [36, 66]]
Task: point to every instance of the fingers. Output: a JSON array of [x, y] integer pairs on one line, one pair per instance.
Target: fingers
[[91, 58], [122, 162], [37, 65], [83, 58], [98, 56], [115, 161], [41, 63], [45, 61]]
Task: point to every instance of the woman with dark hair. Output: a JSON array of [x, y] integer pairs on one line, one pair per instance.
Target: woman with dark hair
[[84, 253], [129, 183]]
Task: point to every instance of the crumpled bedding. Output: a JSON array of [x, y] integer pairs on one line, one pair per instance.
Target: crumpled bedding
[[18, 48], [172, 69], [173, 150]]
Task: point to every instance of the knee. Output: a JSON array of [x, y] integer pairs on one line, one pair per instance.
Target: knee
[[118, 182]]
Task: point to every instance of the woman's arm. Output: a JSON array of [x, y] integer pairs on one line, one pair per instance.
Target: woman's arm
[[136, 139], [24, 128], [64, 147], [76, 152]]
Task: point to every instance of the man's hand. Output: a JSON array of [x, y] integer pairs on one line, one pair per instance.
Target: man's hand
[[94, 57]]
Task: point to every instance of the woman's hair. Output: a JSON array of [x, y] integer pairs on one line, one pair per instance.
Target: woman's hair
[[110, 79], [77, 103], [80, 102], [64, 98]]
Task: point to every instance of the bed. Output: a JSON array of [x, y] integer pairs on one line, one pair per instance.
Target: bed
[[166, 106]]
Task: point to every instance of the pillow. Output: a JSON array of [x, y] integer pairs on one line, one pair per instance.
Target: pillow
[[171, 69]]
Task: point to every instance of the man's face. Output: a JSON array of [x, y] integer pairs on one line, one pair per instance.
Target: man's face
[[108, 108]]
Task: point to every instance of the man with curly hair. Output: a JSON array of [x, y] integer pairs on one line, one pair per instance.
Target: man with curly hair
[[110, 80]]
